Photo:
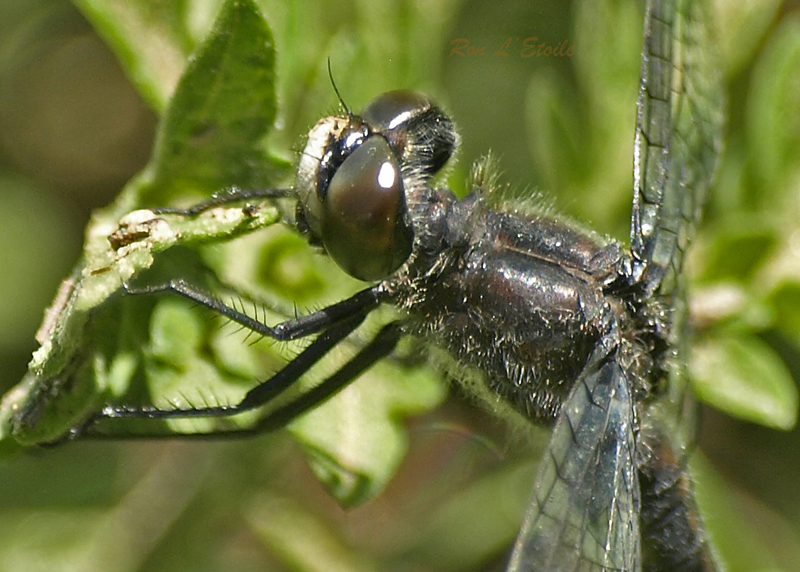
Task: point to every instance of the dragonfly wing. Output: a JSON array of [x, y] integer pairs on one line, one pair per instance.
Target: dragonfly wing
[[678, 137], [584, 514]]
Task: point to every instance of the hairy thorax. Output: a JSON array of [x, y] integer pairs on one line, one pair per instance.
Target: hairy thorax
[[523, 302]]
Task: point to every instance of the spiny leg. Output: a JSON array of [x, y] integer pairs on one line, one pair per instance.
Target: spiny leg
[[300, 327], [381, 346], [233, 195], [257, 396], [333, 324]]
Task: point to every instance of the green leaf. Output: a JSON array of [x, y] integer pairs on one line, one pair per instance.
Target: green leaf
[[101, 273], [743, 376], [224, 105], [356, 442]]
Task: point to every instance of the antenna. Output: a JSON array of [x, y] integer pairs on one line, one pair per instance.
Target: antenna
[[336, 89]]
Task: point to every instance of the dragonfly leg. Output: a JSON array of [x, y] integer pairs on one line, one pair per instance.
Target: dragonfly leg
[[333, 324], [380, 347], [383, 344], [233, 195], [300, 327]]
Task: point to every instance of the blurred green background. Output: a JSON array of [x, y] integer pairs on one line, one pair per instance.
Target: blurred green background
[[73, 130]]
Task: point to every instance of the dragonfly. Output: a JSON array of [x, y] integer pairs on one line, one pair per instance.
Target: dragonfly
[[570, 330]]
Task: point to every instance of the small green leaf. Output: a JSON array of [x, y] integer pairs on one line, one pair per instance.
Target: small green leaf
[[356, 442], [223, 107], [743, 376]]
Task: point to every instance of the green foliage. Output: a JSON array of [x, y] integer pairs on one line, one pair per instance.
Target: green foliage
[[98, 347], [744, 376], [67, 372], [217, 82]]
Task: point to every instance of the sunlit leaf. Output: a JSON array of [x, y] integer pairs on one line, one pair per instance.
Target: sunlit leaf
[[222, 108], [744, 377]]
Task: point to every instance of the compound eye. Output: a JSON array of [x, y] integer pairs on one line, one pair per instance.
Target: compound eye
[[364, 226], [420, 133], [392, 109]]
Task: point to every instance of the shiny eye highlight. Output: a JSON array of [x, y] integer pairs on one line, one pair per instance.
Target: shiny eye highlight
[[387, 175]]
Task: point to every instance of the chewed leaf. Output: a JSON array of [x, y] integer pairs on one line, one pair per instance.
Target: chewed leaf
[[68, 337], [743, 376], [209, 139]]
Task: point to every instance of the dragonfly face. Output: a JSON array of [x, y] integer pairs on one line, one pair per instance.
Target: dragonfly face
[[357, 174], [568, 330]]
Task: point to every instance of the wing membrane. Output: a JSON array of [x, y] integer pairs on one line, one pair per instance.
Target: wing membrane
[[584, 514], [678, 137]]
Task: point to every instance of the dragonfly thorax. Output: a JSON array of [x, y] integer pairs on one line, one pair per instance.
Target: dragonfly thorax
[[500, 295]]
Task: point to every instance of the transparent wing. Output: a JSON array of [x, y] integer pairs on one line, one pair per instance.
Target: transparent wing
[[678, 136], [584, 514]]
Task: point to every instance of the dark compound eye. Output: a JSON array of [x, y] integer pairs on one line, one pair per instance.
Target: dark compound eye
[[363, 224], [419, 132], [389, 111]]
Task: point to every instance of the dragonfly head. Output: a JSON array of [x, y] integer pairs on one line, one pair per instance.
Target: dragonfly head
[[356, 173]]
